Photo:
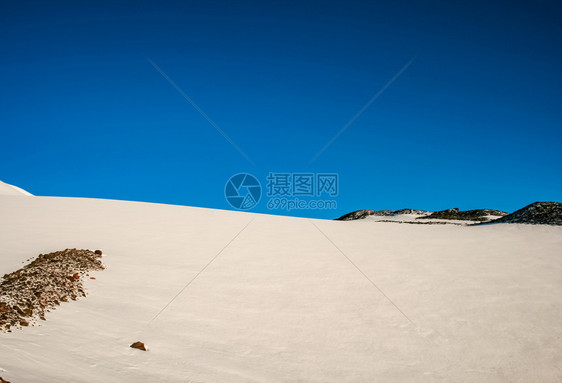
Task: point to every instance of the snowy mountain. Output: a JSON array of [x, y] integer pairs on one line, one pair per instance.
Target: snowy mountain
[[449, 216], [7, 189], [223, 296], [547, 213]]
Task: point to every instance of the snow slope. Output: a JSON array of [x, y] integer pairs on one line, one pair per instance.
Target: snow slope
[[7, 189], [281, 303]]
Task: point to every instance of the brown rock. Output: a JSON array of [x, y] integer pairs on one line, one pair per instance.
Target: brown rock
[[41, 285], [139, 345], [98, 252]]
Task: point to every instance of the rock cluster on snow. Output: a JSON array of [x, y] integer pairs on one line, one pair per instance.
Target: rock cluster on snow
[[28, 293], [409, 211], [467, 215], [545, 213], [361, 214], [424, 223]]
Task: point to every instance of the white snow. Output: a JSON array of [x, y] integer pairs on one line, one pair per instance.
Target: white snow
[[280, 303], [7, 189]]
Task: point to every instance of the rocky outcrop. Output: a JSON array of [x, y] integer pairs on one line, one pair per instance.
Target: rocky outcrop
[[544, 213], [28, 293], [409, 211], [481, 215], [361, 214], [538, 213]]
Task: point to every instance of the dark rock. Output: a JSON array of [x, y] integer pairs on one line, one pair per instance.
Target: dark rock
[[138, 345], [467, 215], [422, 223], [98, 252], [538, 213], [409, 211], [361, 214]]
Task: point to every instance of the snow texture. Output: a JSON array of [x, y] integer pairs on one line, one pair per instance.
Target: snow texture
[[222, 296]]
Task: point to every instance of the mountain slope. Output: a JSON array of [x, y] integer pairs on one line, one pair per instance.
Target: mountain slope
[[263, 298], [7, 189]]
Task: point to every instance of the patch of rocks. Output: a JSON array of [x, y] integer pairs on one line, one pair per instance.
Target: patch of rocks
[[362, 214], [481, 215], [28, 293], [538, 213], [423, 223], [410, 211]]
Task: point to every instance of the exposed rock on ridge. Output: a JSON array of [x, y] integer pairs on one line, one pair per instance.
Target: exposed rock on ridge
[[545, 213]]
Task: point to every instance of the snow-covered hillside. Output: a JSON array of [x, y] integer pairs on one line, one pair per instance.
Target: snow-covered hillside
[[7, 189], [280, 299]]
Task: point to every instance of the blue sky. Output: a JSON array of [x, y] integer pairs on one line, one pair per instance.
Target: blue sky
[[473, 122]]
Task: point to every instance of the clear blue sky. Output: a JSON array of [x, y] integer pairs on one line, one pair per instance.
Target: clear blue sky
[[475, 121]]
